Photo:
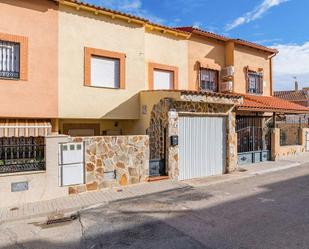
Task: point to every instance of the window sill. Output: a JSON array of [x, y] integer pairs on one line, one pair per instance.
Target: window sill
[[10, 79], [105, 87], [23, 173]]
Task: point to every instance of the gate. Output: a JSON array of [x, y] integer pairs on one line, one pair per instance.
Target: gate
[[71, 164], [157, 144], [253, 140], [202, 146]]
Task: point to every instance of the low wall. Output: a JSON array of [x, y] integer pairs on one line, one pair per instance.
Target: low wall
[[42, 185], [127, 156], [283, 152]]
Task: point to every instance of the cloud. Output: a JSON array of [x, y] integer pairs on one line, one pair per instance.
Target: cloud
[[292, 60], [197, 25], [256, 13], [130, 6]]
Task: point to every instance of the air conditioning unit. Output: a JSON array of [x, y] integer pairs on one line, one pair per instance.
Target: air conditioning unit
[[227, 86], [228, 72]]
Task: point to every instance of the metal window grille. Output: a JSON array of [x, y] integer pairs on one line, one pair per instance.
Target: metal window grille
[[208, 80], [255, 82], [20, 154], [9, 60]]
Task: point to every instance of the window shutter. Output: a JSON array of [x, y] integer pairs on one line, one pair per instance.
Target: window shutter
[[162, 79], [105, 72]]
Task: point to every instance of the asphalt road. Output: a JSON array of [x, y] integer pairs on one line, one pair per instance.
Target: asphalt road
[[266, 211]]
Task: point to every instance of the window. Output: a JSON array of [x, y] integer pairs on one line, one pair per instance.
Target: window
[[105, 72], [255, 82], [162, 79], [208, 80], [9, 60], [104, 68]]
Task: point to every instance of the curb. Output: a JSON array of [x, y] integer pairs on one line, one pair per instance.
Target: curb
[[265, 171]]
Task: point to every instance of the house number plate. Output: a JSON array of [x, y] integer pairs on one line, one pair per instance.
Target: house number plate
[[19, 186]]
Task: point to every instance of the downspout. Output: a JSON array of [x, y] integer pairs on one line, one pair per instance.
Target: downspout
[[271, 72]]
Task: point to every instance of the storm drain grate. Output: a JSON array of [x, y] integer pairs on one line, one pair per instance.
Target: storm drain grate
[[62, 220]]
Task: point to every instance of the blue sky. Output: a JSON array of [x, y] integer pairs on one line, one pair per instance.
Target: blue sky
[[283, 24]]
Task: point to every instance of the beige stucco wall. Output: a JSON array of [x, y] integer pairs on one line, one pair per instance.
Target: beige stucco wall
[[79, 101], [167, 50], [255, 59], [37, 96], [125, 126], [140, 46], [209, 53], [42, 185], [147, 101], [284, 152]]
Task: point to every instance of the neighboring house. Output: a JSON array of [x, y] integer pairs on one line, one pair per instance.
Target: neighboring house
[[28, 81], [104, 92], [300, 97]]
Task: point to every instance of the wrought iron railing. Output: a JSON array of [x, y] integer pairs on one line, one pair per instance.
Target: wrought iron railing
[[22, 154], [9, 60]]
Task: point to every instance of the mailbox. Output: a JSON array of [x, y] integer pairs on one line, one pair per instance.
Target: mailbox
[[174, 140]]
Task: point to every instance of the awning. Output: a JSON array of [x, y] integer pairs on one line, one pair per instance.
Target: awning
[[24, 128], [270, 104]]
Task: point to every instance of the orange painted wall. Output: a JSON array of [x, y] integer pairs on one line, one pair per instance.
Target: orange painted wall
[[208, 52], [38, 95], [244, 57]]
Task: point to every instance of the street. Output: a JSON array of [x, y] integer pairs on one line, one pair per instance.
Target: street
[[265, 211]]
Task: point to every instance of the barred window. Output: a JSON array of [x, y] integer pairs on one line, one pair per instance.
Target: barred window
[[255, 82], [208, 80], [9, 60]]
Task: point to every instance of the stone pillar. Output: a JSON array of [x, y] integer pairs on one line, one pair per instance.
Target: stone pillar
[[231, 157], [275, 143], [172, 162], [304, 138]]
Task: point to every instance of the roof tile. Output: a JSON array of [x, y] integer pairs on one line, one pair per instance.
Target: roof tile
[[270, 103]]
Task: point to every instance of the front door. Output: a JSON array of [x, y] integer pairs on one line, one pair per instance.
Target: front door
[[253, 140]]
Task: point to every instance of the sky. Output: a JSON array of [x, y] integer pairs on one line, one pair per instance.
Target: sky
[[282, 24]]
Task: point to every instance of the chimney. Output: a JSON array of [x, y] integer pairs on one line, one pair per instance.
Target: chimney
[[296, 84]]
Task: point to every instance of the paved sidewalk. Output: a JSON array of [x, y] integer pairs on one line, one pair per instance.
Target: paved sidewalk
[[250, 170], [75, 203]]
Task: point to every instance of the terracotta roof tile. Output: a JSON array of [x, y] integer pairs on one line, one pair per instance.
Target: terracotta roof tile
[[216, 94], [144, 20], [272, 104], [224, 38], [294, 96]]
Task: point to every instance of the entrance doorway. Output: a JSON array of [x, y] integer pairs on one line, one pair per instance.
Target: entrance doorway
[[253, 140]]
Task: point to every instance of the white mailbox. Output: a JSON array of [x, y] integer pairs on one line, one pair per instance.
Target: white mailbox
[[71, 164]]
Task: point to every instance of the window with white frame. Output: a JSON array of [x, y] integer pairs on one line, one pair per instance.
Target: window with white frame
[[208, 80], [9, 60], [163, 79], [105, 72]]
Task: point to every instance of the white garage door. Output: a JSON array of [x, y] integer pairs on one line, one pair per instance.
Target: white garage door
[[202, 145]]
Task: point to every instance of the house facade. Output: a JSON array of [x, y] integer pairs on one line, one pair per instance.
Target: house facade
[[118, 100]]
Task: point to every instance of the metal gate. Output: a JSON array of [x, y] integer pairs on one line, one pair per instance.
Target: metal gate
[[71, 164], [202, 146], [253, 140]]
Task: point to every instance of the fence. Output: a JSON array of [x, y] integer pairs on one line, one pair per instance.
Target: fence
[[291, 128], [19, 154]]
